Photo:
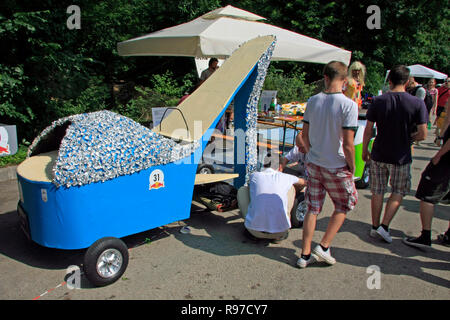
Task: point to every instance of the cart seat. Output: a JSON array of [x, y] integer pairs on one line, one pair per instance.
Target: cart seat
[[38, 168]]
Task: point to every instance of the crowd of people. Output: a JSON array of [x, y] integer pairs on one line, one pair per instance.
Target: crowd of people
[[325, 154]]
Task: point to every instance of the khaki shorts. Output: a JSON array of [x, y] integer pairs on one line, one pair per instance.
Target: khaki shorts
[[398, 176]]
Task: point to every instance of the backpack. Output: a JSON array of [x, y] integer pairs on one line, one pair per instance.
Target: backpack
[[219, 196], [428, 98]]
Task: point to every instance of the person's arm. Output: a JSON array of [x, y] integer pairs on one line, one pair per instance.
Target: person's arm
[[421, 133], [445, 148], [366, 139], [305, 136], [300, 184], [283, 162], [447, 118], [349, 148]]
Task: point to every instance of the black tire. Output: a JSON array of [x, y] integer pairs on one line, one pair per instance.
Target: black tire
[[97, 271], [363, 183], [299, 201], [204, 168]]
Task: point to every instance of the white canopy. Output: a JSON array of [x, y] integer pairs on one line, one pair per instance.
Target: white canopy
[[220, 32], [418, 70]]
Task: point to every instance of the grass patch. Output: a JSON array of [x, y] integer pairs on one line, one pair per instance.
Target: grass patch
[[14, 159]]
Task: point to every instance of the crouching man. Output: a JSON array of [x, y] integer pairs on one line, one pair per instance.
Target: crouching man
[[266, 204]]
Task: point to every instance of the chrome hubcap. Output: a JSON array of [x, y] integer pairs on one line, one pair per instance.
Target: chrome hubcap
[[109, 263], [301, 210], [366, 178]]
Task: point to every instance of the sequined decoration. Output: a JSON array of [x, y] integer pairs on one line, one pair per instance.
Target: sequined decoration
[[103, 145], [251, 152]]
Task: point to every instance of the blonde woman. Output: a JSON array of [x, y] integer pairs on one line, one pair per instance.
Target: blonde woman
[[355, 82]]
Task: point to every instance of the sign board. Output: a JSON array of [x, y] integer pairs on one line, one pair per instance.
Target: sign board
[[266, 99], [157, 114], [8, 140]]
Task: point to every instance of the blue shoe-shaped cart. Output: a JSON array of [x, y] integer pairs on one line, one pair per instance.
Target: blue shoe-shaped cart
[[91, 179]]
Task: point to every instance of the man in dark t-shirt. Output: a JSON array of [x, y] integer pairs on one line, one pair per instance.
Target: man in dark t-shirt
[[400, 119], [434, 187], [396, 115]]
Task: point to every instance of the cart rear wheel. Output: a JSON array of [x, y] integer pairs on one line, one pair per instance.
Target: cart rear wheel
[[105, 261], [205, 169], [298, 211], [364, 181]]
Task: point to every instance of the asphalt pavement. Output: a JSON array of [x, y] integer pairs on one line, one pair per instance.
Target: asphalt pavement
[[215, 261]]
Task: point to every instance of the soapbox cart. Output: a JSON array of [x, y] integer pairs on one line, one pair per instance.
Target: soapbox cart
[[94, 178]]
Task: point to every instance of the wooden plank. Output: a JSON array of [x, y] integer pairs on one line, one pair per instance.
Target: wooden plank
[[210, 178]]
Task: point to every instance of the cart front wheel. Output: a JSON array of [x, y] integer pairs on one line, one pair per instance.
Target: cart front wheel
[[105, 261]]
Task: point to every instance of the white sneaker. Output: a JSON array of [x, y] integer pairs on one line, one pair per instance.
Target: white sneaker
[[302, 263], [384, 234], [373, 233], [324, 255]]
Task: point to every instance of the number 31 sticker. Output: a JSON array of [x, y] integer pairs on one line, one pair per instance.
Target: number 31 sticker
[[156, 179]]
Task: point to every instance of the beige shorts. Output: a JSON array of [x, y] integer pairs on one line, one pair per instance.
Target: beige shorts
[[398, 176]]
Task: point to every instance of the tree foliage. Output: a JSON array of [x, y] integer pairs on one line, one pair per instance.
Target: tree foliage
[[48, 71]]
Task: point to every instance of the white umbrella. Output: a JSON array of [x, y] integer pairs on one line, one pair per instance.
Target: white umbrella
[[220, 32]]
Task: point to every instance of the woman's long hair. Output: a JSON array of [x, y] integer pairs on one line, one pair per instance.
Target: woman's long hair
[[358, 66]]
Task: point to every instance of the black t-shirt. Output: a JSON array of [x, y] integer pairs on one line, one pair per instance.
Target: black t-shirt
[[396, 115]]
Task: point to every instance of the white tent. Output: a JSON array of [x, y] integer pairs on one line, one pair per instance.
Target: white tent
[[220, 32], [418, 70]]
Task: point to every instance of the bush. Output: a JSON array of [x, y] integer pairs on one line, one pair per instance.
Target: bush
[[140, 108], [93, 98], [165, 84], [290, 87], [165, 91]]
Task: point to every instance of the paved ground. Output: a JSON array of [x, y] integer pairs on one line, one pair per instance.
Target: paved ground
[[215, 261]]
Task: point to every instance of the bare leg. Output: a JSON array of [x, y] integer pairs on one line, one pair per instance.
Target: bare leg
[[336, 221], [376, 206], [392, 206], [309, 225], [426, 214]]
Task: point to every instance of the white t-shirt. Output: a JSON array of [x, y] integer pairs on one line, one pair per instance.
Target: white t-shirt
[[267, 210], [327, 114], [206, 74], [294, 155]]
